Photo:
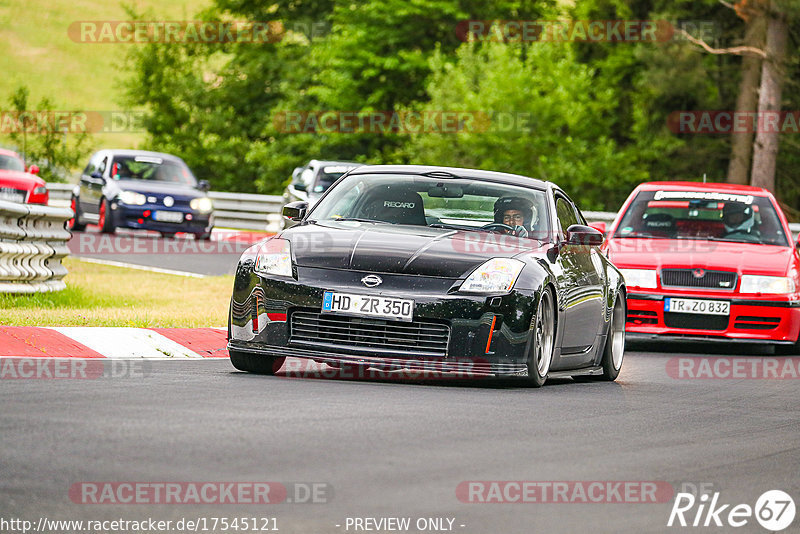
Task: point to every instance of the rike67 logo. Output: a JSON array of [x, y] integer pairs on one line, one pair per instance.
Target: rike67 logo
[[774, 510]]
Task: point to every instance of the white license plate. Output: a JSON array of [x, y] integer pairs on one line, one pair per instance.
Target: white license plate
[[700, 307], [168, 216], [368, 306], [12, 197]]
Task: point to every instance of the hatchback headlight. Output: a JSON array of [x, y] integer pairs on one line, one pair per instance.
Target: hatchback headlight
[[132, 198], [274, 258], [642, 278], [497, 275], [202, 204], [766, 284]]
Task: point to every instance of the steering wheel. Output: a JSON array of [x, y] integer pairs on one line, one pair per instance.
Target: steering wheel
[[498, 226]]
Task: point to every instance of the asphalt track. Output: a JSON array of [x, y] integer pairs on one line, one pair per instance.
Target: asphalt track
[[394, 448]]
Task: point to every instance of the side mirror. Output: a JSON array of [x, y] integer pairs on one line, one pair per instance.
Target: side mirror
[[203, 186], [299, 186], [599, 226], [295, 211], [578, 234], [33, 169]]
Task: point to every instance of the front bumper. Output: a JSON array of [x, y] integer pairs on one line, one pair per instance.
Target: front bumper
[[141, 218], [485, 334], [750, 320]]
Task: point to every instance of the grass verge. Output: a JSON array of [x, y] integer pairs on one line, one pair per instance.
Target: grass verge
[[101, 295]]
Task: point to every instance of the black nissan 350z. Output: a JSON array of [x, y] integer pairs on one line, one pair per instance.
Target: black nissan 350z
[[421, 268]]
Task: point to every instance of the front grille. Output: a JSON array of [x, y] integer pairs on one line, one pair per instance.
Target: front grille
[[417, 338], [696, 321], [756, 323], [642, 317], [709, 279]]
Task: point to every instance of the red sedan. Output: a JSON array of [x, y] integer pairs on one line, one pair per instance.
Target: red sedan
[[707, 262], [17, 185]]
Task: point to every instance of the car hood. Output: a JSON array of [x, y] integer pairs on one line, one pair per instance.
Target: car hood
[[744, 258], [413, 250], [161, 188], [19, 180]]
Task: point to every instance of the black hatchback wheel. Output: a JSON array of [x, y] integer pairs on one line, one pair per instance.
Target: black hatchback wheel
[[254, 363]]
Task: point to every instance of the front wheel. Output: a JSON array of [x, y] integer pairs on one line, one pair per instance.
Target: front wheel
[[614, 350], [544, 333], [255, 363], [104, 220]]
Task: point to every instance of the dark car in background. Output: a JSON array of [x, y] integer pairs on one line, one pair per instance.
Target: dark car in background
[[432, 268], [309, 183], [142, 190], [18, 184]]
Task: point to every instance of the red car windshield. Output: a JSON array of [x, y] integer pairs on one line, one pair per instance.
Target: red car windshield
[[702, 215], [10, 163]]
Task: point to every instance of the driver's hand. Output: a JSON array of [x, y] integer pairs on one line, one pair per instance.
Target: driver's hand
[[520, 231]]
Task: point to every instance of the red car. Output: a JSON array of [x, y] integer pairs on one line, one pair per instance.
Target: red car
[[710, 262], [17, 185]]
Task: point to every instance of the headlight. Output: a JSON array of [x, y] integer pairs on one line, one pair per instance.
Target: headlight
[[275, 258], [643, 278], [497, 275], [202, 204], [40, 190], [766, 284], [132, 198]]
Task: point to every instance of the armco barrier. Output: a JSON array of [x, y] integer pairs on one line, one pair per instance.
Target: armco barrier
[[33, 240], [262, 212]]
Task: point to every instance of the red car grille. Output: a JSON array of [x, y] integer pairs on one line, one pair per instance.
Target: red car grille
[[757, 323], [695, 322], [698, 278]]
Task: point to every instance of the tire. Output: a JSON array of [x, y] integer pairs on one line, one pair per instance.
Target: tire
[[614, 349], [74, 224], [105, 221], [543, 342], [254, 363], [167, 235]]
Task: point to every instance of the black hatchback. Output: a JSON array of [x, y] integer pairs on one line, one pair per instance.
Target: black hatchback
[[142, 190]]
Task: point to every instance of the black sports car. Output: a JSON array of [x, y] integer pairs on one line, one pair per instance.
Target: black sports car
[[412, 267]]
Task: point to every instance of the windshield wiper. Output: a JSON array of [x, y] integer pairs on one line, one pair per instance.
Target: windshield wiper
[[358, 219]]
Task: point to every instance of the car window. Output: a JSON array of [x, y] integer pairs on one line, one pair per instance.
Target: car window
[[11, 163], [418, 200], [702, 215], [566, 214], [152, 169], [328, 174]]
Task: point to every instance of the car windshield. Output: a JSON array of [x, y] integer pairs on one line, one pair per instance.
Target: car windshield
[[328, 175], [10, 163], [151, 169], [437, 202], [702, 215]]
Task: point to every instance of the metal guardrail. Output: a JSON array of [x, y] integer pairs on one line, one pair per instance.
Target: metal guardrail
[[262, 212], [33, 241]]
